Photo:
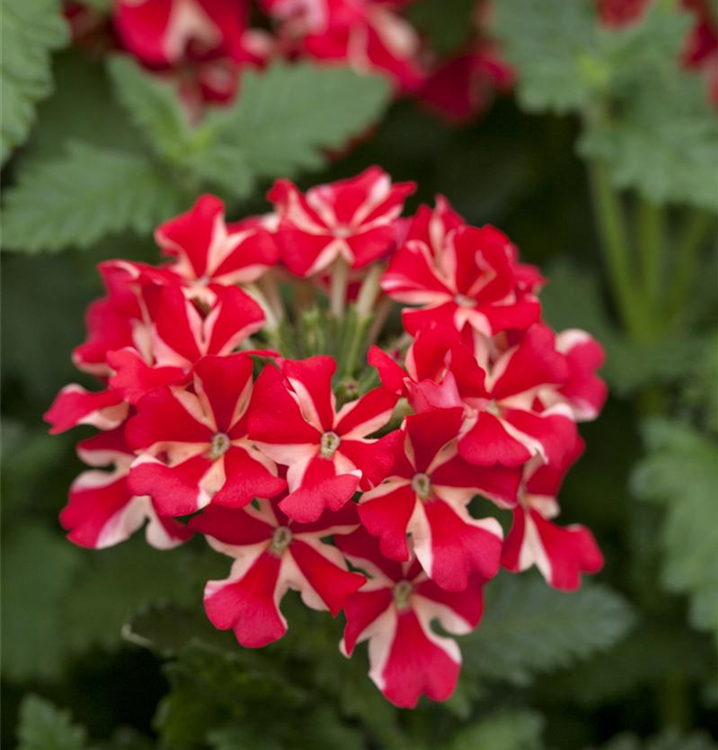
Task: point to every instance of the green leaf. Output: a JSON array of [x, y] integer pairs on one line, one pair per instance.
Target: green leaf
[[632, 663], [44, 727], [555, 48], [124, 580], [284, 120], [669, 740], [38, 569], [83, 107], [510, 730], [567, 61], [155, 108], [681, 472], [89, 193], [531, 628], [666, 159], [31, 29]]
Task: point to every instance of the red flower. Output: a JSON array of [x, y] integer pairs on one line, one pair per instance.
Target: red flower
[[163, 32], [274, 554], [426, 497], [351, 219], [441, 370], [74, 405], [561, 554], [207, 250], [512, 424], [467, 277], [102, 510], [394, 611], [327, 452], [194, 445], [180, 332]]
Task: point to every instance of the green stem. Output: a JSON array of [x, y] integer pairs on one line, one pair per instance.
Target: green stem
[[610, 220], [696, 232], [651, 247], [338, 287]]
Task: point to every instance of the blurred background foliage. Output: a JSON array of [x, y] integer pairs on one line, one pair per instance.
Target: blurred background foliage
[[602, 166]]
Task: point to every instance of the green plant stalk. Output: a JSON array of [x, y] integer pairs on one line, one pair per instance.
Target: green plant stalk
[[610, 220], [651, 246], [696, 233]]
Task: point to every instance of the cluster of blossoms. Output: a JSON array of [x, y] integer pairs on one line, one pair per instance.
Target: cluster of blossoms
[[205, 45], [250, 394]]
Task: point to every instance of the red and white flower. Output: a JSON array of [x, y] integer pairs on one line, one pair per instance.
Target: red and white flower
[[394, 611], [102, 510], [180, 332], [328, 452], [441, 370], [75, 405], [512, 424], [164, 32], [469, 279], [422, 506], [274, 554], [560, 553], [351, 219], [194, 448], [207, 250]]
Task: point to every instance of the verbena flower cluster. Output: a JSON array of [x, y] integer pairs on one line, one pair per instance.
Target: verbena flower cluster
[[251, 392], [205, 45]]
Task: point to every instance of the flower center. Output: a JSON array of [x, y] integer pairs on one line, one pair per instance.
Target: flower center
[[463, 301], [219, 446], [281, 539], [421, 484], [330, 443], [342, 232], [493, 408], [402, 592]]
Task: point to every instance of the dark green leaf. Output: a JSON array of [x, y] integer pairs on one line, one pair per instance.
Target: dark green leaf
[[45, 727], [31, 29], [38, 569], [681, 472], [75, 200], [531, 628]]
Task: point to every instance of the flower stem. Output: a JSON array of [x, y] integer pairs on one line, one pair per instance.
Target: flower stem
[[696, 233], [610, 220], [651, 247], [338, 287], [271, 321]]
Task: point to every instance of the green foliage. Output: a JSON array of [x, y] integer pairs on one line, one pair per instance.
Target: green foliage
[[681, 473], [632, 664], [510, 730], [154, 107], [88, 193], [232, 148], [669, 740], [119, 584], [667, 159], [573, 299], [555, 48], [446, 26], [31, 29], [529, 628], [230, 699], [623, 82], [45, 727], [38, 570], [284, 121]]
